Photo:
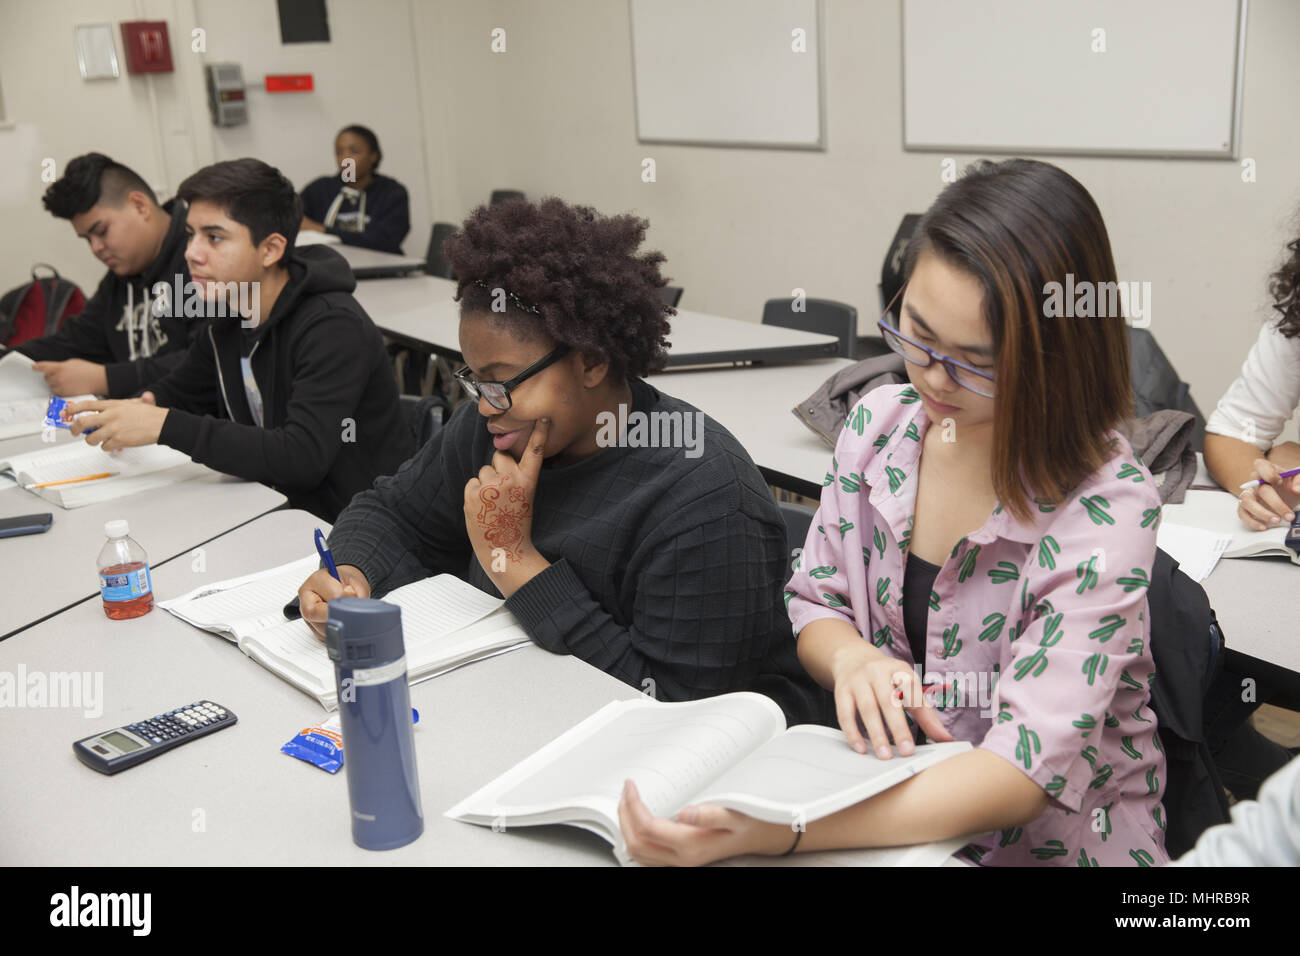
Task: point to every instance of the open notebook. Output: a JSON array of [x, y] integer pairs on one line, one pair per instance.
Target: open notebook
[[445, 623], [732, 750], [24, 397], [131, 469], [1216, 511]]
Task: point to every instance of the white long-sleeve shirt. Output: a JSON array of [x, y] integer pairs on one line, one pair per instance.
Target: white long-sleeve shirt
[[1257, 406], [1263, 832]]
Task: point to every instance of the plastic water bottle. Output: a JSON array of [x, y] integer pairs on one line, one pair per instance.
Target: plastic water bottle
[[124, 582], [364, 640]]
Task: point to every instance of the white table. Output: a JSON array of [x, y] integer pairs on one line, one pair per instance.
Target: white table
[[45, 573], [255, 804], [757, 406], [373, 264], [419, 312]]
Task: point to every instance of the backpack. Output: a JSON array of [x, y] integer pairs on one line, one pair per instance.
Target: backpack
[[1187, 646], [37, 309]]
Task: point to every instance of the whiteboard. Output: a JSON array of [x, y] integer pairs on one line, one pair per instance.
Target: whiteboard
[[1003, 76], [726, 72]]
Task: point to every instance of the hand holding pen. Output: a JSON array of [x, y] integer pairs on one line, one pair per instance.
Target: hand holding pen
[[1270, 499], [330, 582]]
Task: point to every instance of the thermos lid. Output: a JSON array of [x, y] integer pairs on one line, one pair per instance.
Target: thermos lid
[[363, 632]]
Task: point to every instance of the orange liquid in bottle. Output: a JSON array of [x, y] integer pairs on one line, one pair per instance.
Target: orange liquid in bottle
[[135, 607]]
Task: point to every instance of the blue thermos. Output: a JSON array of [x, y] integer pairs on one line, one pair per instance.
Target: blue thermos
[[364, 640]]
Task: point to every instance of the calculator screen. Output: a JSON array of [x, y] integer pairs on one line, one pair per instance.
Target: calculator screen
[[121, 742]]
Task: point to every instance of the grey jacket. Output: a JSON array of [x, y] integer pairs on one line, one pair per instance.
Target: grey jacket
[[825, 410], [1163, 440]]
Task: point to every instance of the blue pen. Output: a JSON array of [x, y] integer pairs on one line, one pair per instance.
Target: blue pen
[[323, 550]]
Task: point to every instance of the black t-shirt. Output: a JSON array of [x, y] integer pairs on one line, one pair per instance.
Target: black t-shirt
[[918, 582]]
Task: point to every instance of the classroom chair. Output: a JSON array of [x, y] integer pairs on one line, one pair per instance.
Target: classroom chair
[[671, 295], [435, 263], [819, 315], [501, 195], [798, 519], [425, 415]]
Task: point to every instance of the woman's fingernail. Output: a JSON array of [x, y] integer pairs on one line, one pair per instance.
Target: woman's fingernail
[[860, 747], [884, 753]]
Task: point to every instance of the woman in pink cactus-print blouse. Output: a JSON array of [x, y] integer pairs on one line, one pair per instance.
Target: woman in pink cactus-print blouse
[[978, 567]]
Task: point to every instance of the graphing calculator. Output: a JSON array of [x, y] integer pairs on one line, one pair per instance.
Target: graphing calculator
[[135, 743]]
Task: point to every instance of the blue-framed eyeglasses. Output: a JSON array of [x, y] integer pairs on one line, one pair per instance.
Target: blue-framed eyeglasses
[[498, 393], [968, 377]]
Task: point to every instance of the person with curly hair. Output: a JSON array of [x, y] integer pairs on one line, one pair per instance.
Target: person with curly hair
[[660, 564], [1241, 435]]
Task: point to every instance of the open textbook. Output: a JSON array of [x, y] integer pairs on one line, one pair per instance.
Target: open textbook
[[1216, 511], [445, 623], [24, 397], [732, 750], [130, 470]]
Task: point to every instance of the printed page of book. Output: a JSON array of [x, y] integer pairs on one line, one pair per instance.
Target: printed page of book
[[810, 772], [670, 751], [1217, 511]]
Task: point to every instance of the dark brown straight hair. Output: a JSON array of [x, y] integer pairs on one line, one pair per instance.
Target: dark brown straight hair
[[1062, 383]]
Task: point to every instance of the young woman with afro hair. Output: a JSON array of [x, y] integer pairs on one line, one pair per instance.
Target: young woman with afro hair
[[662, 566]]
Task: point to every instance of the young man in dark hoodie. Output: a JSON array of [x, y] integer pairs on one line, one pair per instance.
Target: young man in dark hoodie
[[293, 388], [126, 337]]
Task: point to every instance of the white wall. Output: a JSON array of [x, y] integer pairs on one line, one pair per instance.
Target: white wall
[[554, 114], [366, 75]]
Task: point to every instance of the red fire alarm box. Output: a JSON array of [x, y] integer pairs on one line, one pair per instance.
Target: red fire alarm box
[[289, 83], [148, 48]]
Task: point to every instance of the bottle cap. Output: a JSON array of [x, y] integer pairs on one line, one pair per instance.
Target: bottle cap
[[117, 528]]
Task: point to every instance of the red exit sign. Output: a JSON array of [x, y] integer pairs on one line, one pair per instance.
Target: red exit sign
[[289, 83]]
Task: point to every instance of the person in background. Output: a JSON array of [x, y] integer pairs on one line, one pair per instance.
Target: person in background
[[125, 338], [359, 205], [291, 385]]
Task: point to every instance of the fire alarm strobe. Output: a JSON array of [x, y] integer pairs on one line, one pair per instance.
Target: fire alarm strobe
[[148, 49]]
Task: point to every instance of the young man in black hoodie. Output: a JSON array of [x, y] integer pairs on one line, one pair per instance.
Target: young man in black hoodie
[[290, 385], [127, 337]]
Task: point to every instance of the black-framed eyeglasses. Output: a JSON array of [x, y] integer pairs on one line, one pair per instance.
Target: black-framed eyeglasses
[[498, 393], [967, 376]]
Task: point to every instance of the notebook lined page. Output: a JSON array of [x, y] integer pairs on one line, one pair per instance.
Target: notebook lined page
[[246, 605], [25, 416], [437, 606]]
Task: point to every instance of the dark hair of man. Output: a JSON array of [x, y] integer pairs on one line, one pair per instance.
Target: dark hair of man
[[92, 179], [251, 193], [371, 140], [1062, 383], [568, 274]]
